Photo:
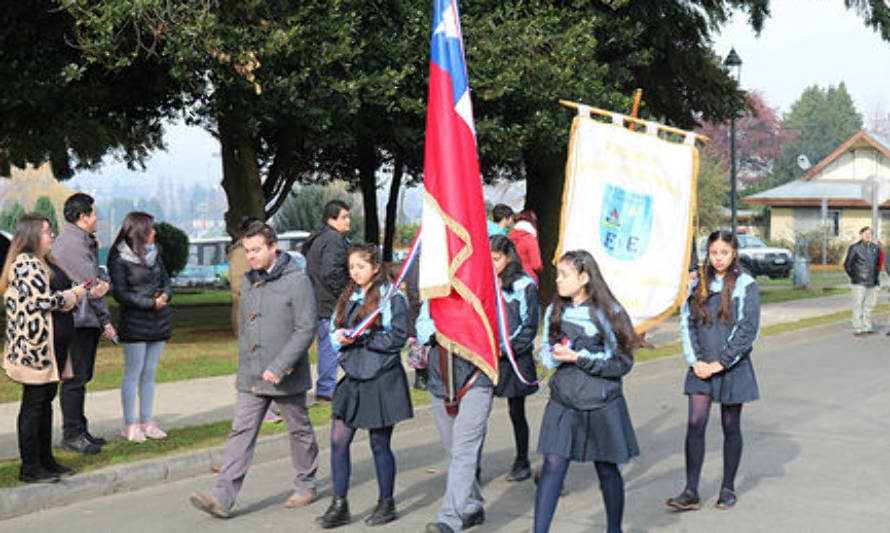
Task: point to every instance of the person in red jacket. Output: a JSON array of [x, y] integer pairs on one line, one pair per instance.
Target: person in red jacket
[[525, 238]]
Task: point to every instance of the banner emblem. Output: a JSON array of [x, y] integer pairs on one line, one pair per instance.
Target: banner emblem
[[626, 222]]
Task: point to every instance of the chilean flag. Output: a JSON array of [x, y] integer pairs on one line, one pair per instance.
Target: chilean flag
[[456, 271]]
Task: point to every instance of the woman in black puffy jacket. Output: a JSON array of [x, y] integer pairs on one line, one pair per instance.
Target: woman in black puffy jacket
[[140, 284]]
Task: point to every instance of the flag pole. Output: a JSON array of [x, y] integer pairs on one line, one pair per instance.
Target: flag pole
[[610, 114], [638, 95]]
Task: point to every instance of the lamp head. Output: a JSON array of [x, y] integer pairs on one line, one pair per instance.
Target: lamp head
[[734, 63]]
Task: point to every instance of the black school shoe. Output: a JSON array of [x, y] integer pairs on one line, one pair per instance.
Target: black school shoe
[[337, 514], [474, 519], [384, 513], [687, 500], [726, 500], [37, 475], [438, 527], [520, 471]]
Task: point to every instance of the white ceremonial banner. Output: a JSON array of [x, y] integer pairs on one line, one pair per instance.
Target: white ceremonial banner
[[629, 200]]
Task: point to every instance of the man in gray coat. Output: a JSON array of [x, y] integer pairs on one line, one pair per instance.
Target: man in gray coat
[[76, 251], [277, 308]]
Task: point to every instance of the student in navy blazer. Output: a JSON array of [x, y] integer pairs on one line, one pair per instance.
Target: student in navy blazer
[[374, 392], [719, 324], [521, 305], [589, 340]]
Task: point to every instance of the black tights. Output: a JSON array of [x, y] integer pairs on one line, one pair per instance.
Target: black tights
[[553, 472], [520, 426], [341, 466], [730, 416]]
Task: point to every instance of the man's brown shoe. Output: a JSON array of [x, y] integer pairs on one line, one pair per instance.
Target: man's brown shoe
[[299, 499], [208, 504]]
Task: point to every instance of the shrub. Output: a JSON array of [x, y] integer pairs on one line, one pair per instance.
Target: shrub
[[174, 245]]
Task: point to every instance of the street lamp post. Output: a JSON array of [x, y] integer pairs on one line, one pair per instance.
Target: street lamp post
[[734, 63]]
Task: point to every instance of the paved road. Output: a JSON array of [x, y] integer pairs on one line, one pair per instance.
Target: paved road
[[815, 460]]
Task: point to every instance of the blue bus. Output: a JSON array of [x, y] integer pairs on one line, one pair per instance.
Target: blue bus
[[211, 251]]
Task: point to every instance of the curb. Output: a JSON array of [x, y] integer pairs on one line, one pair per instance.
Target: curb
[[26, 499]]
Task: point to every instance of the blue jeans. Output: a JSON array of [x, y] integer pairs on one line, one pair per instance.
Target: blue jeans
[[328, 358], [140, 365]]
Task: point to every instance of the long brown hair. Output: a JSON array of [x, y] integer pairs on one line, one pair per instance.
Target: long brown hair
[[602, 298], [513, 271], [708, 273], [369, 253], [26, 240], [135, 229]]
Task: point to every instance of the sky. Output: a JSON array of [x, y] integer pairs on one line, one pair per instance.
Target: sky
[[804, 42], [811, 42]]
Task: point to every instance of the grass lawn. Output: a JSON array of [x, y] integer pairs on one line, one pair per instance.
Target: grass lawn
[[194, 297], [178, 441], [817, 278], [783, 295]]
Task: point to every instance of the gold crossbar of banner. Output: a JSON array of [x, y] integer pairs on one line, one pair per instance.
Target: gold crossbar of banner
[[610, 114]]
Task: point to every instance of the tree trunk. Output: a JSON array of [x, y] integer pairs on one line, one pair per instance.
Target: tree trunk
[[367, 176], [244, 193], [392, 209], [241, 174], [545, 176]]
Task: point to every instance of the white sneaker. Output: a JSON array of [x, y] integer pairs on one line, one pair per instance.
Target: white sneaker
[[151, 430], [133, 433]]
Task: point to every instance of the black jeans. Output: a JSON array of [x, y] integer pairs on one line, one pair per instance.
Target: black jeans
[[71, 398], [35, 426]]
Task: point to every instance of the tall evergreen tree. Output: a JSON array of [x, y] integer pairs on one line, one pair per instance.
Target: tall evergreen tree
[[818, 122], [44, 206], [10, 216]]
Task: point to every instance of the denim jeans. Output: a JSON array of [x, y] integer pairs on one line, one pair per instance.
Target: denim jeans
[[140, 366], [328, 359]]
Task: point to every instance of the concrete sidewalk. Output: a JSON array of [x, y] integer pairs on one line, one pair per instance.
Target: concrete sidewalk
[[207, 400], [814, 460]]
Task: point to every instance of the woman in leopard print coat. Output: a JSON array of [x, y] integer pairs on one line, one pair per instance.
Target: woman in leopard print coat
[[30, 357]]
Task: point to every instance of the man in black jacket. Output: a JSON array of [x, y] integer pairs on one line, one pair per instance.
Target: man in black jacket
[[326, 265], [861, 265]]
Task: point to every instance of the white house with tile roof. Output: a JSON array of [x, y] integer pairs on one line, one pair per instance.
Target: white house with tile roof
[[796, 207]]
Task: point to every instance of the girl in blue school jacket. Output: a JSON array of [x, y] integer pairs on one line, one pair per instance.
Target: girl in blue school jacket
[[719, 324], [520, 295], [589, 340], [374, 393]]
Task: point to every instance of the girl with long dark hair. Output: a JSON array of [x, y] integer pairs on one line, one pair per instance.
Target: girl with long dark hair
[[589, 341], [521, 304], [141, 285], [374, 392], [719, 323], [36, 353]]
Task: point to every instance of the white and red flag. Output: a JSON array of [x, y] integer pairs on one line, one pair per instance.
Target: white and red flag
[[456, 271]]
